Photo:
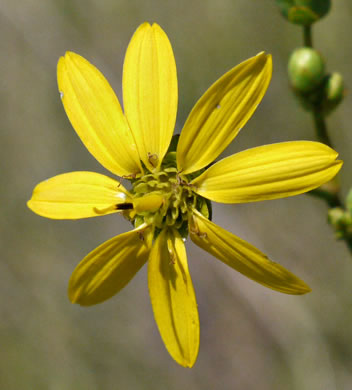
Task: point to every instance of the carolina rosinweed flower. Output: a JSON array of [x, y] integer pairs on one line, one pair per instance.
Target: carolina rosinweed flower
[[172, 179]]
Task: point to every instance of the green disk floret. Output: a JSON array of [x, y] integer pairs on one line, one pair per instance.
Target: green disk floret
[[177, 198]]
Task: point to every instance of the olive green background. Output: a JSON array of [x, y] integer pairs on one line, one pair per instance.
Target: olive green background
[[251, 337]]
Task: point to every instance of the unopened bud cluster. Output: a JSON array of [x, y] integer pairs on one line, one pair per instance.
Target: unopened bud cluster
[[315, 88], [341, 219]]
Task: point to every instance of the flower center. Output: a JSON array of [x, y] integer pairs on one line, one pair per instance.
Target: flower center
[[165, 199]]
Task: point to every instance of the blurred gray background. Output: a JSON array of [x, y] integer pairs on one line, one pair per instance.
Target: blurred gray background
[[251, 337]]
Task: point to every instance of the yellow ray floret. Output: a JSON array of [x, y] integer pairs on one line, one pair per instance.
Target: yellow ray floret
[[77, 195], [173, 298], [150, 92], [221, 113], [243, 257], [107, 269], [268, 172], [95, 113]]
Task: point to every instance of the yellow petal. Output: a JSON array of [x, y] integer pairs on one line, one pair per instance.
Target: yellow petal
[[268, 172], [243, 257], [95, 113], [173, 299], [221, 112], [107, 269], [150, 92], [77, 195]]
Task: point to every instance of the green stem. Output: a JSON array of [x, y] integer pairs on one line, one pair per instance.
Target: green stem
[[334, 201], [307, 36], [349, 243], [320, 127], [332, 198]]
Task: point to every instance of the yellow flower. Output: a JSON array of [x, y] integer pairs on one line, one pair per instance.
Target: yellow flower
[[172, 179]]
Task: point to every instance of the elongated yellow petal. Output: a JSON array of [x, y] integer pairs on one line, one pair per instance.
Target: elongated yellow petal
[[77, 195], [221, 112], [150, 92], [95, 113], [107, 269], [268, 172], [173, 298], [243, 257]]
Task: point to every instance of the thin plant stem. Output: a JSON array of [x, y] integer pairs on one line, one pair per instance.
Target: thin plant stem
[[307, 36], [332, 198], [320, 127], [349, 243]]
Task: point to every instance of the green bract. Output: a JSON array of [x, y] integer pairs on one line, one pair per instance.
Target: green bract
[[304, 12], [306, 69]]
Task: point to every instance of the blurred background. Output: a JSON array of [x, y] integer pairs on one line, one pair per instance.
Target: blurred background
[[251, 337]]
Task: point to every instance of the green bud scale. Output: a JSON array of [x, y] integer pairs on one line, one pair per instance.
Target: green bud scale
[[304, 12]]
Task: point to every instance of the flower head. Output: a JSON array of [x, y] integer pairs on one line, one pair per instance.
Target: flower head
[[173, 179]]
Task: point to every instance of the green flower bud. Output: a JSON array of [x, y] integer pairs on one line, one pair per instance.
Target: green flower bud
[[304, 12], [333, 92], [336, 217], [341, 220], [306, 69]]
